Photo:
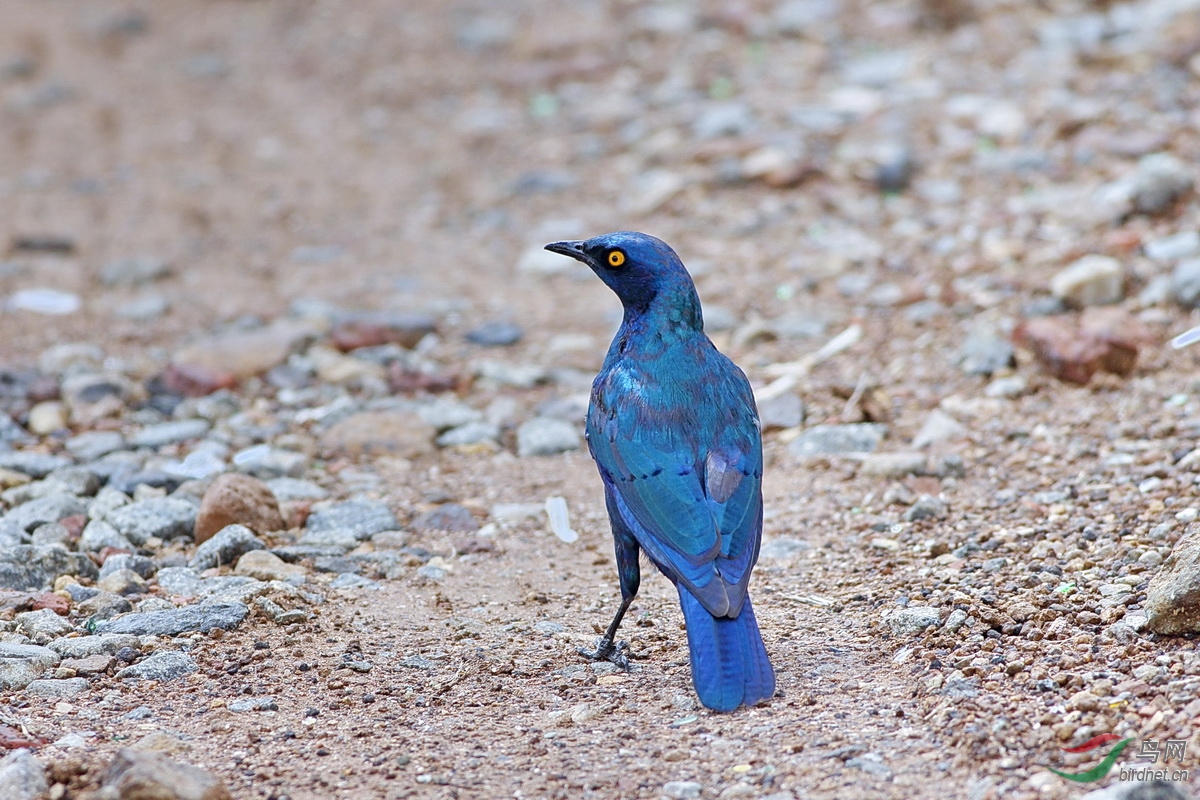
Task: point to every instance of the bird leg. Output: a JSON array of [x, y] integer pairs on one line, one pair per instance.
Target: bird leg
[[606, 648]]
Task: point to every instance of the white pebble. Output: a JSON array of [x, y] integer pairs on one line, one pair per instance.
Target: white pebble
[[560, 520]]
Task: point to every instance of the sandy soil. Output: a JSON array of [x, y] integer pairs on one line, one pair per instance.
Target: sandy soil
[[226, 137]]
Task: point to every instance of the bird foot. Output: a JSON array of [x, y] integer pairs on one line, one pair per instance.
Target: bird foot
[[607, 650]]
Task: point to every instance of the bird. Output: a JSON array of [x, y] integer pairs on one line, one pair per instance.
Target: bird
[[674, 431]]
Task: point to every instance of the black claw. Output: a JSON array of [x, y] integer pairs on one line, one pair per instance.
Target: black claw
[[607, 650]]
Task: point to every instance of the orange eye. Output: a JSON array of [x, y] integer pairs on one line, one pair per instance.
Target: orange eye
[[616, 258]]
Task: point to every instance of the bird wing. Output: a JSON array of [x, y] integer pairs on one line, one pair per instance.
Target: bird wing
[[686, 480]]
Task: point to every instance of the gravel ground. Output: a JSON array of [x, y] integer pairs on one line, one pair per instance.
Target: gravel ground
[[286, 382]]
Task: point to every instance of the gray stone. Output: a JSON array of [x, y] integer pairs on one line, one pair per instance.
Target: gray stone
[[71, 357], [956, 620], [163, 517], [951, 466], [134, 271], [1174, 247], [722, 119], [35, 465], [232, 589], [143, 566], [179, 581], [12, 534], [98, 535], [1156, 292], [496, 334], [30, 567], [985, 352], [152, 603], [362, 518], [894, 465], [122, 582], [264, 565], [1185, 283], [446, 413], [911, 620], [287, 489], [926, 507], [162, 666], [79, 593], [469, 434], [520, 376], [1160, 180], [138, 714], [80, 481], [209, 65], [570, 408], [254, 704], [938, 427], [77, 481], [822, 440], [337, 564], [267, 463], [165, 433], [118, 464], [61, 687], [1008, 386], [143, 307], [22, 777], [485, 32], [682, 790], [1173, 596], [719, 318], [203, 462], [106, 500], [103, 605], [544, 436], [19, 495], [99, 644], [447, 517], [784, 411], [1090, 281], [43, 626], [298, 552], [22, 663], [225, 547], [782, 547], [51, 533], [12, 433], [894, 170], [652, 189], [348, 580], [143, 775], [185, 582], [91, 445], [872, 764], [50, 508], [203, 617]]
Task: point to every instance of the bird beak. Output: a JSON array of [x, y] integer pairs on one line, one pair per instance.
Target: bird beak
[[572, 249]]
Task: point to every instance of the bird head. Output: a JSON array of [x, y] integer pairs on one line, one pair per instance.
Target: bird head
[[641, 269]]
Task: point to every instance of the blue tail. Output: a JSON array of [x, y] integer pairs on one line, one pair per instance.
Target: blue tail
[[729, 663]]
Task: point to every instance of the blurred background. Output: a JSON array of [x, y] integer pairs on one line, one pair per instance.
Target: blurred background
[[969, 223], [165, 169]]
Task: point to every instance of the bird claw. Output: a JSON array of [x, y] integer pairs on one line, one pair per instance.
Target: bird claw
[[612, 652]]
